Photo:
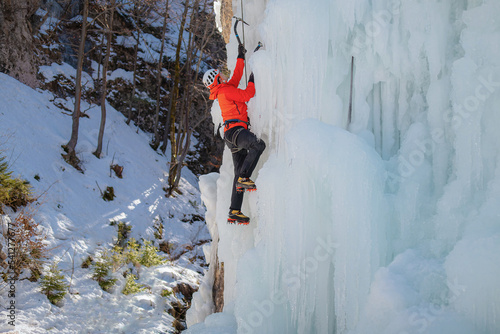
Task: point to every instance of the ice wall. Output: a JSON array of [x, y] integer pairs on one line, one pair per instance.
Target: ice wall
[[321, 223], [393, 227]]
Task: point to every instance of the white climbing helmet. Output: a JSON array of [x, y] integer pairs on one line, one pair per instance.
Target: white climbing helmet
[[210, 78]]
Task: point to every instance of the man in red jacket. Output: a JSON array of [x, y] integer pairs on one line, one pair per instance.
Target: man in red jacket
[[245, 147]]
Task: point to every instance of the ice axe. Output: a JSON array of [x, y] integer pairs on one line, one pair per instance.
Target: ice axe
[[236, 31], [259, 45], [238, 37]]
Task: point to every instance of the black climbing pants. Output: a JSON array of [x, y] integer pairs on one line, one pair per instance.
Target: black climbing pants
[[246, 149]]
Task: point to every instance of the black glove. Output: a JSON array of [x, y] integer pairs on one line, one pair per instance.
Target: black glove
[[251, 78], [241, 51]]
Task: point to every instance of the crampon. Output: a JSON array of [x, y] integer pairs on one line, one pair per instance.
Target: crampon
[[245, 184], [236, 217], [241, 189], [239, 222]]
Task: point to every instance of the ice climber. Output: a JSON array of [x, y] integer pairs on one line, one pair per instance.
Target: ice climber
[[245, 147]]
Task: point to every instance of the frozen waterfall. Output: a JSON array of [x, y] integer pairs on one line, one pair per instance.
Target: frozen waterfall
[[390, 224]]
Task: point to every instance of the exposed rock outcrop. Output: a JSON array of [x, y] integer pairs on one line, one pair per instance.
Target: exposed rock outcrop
[[16, 40], [226, 16]]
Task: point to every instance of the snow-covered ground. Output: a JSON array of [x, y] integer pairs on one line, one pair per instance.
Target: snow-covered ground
[[387, 225], [77, 220]]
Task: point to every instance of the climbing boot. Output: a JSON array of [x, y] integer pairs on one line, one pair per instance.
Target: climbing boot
[[244, 183], [235, 216]]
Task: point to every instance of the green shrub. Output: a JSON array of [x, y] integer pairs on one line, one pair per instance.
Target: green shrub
[[145, 255], [132, 252], [167, 292], [87, 262], [101, 268], [158, 227], [109, 194], [53, 285], [149, 255], [123, 232], [131, 286], [14, 192]]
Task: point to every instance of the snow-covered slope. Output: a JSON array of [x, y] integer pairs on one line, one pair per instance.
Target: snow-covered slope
[[393, 227], [77, 220]]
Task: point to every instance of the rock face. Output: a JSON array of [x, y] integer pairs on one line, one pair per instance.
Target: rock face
[[16, 40], [218, 287], [226, 13], [56, 8]]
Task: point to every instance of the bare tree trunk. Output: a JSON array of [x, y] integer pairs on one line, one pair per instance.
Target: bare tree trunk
[[137, 13], [70, 147], [109, 27], [156, 140], [183, 141], [16, 40], [170, 119], [98, 82], [134, 75], [173, 102]]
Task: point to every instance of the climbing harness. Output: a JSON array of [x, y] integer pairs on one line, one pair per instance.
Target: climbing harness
[[235, 120], [232, 142], [229, 121]]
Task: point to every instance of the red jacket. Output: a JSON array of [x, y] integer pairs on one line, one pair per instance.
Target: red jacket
[[232, 100]]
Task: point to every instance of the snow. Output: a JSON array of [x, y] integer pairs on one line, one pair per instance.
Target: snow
[[121, 73], [216, 323], [150, 48], [51, 72], [389, 224], [125, 41], [77, 220]]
